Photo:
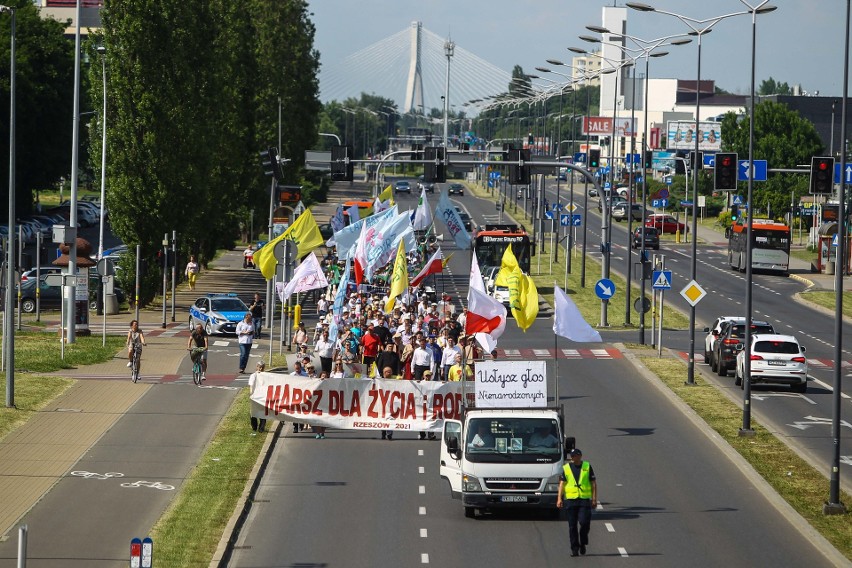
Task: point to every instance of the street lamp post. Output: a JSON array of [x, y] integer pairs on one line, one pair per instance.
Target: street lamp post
[[70, 312], [9, 320], [698, 28], [102, 51]]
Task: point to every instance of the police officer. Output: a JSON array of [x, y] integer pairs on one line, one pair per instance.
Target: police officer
[[578, 490]]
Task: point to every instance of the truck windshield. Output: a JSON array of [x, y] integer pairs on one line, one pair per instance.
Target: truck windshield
[[513, 439]]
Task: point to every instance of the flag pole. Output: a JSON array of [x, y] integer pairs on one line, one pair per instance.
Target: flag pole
[[556, 356]]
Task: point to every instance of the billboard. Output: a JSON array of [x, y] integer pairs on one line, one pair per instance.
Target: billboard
[[681, 135], [602, 126]]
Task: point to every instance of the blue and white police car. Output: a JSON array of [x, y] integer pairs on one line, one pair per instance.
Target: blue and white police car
[[218, 313]]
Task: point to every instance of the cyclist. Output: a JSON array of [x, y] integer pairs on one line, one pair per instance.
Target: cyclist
[[135, 338], [199, 337]]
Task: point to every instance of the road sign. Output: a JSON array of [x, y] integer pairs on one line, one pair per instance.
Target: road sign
[[494, 175], [759, 170], [576, 220], [565, 219], [632, 159], [659, 203], [607, 185], [579, 157], [136, 553], [570, 207], [548, 214], [737, 200], [605, 288], [709, 160], [147, 552], [837, 173], [558, 207], [664, 193], [668, 180], [685, 203], [693, 293], [642, 305], [834, 242], [662, 279]]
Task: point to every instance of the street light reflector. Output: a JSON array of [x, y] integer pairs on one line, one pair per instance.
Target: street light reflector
[[641, 7], [766, 9], [543, 69], [554, 62], [578, 50], [682, 41], [598, 29], [590, 39], [658, 54]]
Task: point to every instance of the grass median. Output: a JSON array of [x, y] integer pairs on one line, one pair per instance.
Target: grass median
[[792, 477]]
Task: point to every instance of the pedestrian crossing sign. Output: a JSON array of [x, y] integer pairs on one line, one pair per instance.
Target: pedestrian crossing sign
[[662, 279]]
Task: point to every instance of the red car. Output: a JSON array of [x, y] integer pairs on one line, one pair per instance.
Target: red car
[[665, 223]]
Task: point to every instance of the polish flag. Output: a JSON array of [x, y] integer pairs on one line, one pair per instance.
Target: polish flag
[[434, 265], [484, 313], [360, 260]]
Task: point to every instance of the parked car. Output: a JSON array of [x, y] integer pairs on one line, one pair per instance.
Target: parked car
[[455, 189], [593, 192], [775, 359], [50, 297], [651, 236], [619, 212], [733, 334], [713, 331], [665, 224], [218, 313], [402, 186], [611, 201]]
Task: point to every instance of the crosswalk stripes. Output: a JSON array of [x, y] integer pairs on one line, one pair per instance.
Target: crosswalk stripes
[[529, 354]]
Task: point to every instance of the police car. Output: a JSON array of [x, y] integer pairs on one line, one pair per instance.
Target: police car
[[218, 313]]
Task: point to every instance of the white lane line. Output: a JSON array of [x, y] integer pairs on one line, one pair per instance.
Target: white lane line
[[419, 452], [421, 489], [609, 527], [423, 533], [424, 558], [421, 510], [622, 551], [421, 469]]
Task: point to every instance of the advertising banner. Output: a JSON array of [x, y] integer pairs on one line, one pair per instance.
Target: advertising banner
[[602, 126], [510, 384], [357, 404], [681, 135]]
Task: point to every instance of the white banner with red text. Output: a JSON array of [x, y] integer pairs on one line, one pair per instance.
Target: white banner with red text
[[358, 404]]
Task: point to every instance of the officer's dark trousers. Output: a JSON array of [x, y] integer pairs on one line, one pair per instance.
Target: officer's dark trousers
[[579, 513]]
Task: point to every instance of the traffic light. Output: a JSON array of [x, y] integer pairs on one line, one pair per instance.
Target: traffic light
[[649, 160], [342, 168], [519, 175], [735, 213], [434, 170], [594, 158], [725, 170], [822, 174], [696, 162], [271, 165]]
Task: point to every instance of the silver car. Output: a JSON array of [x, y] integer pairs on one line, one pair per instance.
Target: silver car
[[775, 359]]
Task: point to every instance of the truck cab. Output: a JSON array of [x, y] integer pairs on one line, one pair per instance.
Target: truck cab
[[497, 458]]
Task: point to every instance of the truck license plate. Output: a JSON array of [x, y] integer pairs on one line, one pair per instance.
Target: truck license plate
[[513, 498]]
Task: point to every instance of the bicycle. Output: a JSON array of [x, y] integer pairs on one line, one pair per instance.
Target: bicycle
[[197, 371], [135, 358]]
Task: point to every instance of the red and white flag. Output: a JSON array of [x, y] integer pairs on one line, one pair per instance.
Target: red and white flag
[[434, 265], [484, 313], [360, 260]]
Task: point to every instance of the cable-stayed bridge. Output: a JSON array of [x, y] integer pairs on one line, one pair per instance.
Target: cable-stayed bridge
[[410, 67]]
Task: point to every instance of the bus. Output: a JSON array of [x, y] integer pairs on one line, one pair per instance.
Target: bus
[[490, 243], [770, 249]]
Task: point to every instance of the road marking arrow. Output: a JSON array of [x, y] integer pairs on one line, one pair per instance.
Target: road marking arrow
[[816, 421], [605, 289], [764, 396], [846, 459]]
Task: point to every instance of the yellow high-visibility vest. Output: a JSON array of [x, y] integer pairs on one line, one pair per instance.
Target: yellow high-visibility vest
[[573, 489]]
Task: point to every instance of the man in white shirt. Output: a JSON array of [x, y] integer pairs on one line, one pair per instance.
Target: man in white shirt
[[245, 332], [448, 357], [421, 359]]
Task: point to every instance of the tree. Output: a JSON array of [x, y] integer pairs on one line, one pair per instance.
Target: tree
[[44, 83], [771, 87], [782, 138]]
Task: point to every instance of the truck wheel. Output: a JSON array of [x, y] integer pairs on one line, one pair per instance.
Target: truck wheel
[[470, 512]]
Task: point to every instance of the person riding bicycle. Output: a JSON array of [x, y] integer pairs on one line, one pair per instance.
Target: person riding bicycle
[[199, 337], [135, 338]]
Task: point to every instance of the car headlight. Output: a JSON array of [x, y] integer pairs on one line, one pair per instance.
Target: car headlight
[[471, 484], [552, 485]]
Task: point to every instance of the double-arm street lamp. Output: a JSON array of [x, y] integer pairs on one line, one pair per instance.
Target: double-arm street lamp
[[9, 307], [449, 49], [698, 28]]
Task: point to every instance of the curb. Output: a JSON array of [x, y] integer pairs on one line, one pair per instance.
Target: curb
[[238, 518], [766, 490]]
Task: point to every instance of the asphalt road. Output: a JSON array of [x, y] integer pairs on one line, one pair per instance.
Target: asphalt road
[[669, 496]]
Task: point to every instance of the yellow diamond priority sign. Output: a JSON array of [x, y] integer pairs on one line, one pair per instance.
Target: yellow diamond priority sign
[[693, 293]]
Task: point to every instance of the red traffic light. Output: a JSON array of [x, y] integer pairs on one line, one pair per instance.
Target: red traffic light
[[822, 164], [726, 161]]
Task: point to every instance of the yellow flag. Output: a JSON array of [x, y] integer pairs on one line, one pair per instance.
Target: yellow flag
[[399, 279], [386, 194], [304, 232], [526, 309], [508, 265], [446, 260]]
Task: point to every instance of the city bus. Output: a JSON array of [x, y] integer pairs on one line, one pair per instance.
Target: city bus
[[770, 249], [490, 243]]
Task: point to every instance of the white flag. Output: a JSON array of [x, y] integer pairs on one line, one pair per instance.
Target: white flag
[[308, 276], [446, 212], [354, 213], [422, 215], [484, 313], [569, 323]]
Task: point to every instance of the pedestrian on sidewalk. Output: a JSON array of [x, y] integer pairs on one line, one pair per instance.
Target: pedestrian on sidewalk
[[191, 272], [257, 424], [578, 491], [256, 308], [245, 332]]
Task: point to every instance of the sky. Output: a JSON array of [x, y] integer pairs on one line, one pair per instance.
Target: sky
[[799, 43]]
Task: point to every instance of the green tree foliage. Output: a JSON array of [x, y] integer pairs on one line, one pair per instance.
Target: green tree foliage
[[44, 62], [772, 87], [782, 138], [193, 96]]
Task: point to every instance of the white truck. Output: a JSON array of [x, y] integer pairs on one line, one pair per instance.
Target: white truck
[[496, 458]]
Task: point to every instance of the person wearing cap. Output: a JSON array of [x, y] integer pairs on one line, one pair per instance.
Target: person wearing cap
[[578, 493]]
